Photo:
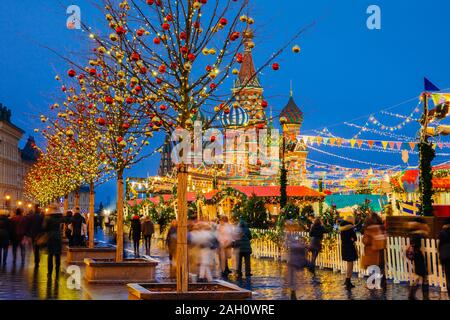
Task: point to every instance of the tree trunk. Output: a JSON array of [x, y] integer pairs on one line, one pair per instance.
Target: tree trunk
[[119, 224], [77, 199], [91, 215], [66, 203], [182, 254]]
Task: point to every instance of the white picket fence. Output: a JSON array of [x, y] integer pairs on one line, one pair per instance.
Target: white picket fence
[[398, 267]]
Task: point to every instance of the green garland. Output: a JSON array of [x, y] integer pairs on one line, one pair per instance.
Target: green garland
[[283, 187]]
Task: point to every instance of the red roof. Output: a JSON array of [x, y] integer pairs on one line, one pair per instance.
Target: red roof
[[274, 191], [259, 191]]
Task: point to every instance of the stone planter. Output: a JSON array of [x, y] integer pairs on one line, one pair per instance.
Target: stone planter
[[76, 255], [104, 271], [216, 290]]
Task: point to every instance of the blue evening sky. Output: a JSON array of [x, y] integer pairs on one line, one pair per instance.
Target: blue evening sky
[[344, 72]]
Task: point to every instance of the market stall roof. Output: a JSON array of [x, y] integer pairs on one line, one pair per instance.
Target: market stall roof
[[274, 191]]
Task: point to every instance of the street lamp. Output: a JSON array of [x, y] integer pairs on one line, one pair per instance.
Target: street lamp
[[7, 199]]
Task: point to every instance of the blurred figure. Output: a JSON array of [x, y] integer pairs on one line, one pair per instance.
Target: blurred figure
[[147, 232], [245, 249], [349, 253], [35, 221], [53, 227], [225, 237], [5, 236], [204, 239], [444, 250], [297, 259], [375, 242], [135, 234], [171, 243], [19, 230], [67, 228], [419, 230], [316, 236], [76, 226]]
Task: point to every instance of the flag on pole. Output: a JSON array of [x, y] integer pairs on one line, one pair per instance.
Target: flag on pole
[[429, 86]]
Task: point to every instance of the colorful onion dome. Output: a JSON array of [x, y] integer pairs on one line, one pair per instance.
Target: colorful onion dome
[[236, 117], [292, 113]]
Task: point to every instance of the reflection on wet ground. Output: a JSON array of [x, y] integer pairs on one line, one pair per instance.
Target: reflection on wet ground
[[267, 282], [23, 281]]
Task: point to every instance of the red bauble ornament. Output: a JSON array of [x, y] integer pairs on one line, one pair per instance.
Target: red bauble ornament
[[140, 32], [92, 72], [212, 86], [162, 69], [135, 56], [275, 66], [109, 100], [157, 41], [223, 21], [239, 58], [234, 36], [184, 50], [162, 107], [165, 26], [143, 70], [126, 126], [101, 121], [264, 104], [121, 30], [213, 138], [191, 57], [208, 68], [169, 17], [129, 100], [71, 73], [183, 35]]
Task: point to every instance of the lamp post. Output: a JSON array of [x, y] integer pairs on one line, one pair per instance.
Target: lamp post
[[7, 201]]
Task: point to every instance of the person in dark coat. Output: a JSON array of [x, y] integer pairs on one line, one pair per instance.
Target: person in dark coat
[[444, 250], [147, 231], [171, 243], [135, 234], [76, 225], [5, 236], [419, 230], [34, 224], [19, 230], [68, 228], [53, 227], [316, 234], [349, 253], [245, 248]]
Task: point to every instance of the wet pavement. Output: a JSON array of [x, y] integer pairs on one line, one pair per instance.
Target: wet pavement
[[24, 282], [268, 282]]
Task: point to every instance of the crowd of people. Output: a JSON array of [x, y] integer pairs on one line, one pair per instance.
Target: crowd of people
[[303, 255], [211, 247], [40, 229]]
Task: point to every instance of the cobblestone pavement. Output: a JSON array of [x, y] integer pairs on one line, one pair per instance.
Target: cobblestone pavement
[[267, 282]]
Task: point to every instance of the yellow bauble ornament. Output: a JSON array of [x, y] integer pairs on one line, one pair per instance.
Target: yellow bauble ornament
[[296, 49]]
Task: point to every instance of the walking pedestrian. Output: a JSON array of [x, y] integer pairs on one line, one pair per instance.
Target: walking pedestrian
[[135, 234], [349, 253], [375, 242], [5, 236], [35, 221], [444, 251], [67, 227], [76, 226], [53, 227], [245, 249], [147, 232], [419, 230], [171, 243], [19, 230], [316, 235], [225, 239]]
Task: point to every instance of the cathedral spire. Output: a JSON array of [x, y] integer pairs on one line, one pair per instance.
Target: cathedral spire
[[247, 73]]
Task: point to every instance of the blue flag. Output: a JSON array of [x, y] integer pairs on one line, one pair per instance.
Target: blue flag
[[429, 86]]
